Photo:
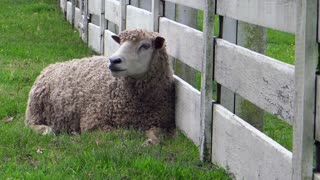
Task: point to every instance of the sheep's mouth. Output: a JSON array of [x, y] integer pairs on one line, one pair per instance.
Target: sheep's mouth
[[117, 70], [114, 69]]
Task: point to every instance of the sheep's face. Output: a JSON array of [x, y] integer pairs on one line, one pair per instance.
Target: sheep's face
[[133, 57]]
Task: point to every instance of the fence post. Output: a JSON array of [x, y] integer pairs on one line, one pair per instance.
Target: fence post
[[85, 21], [206, 82], [305, 66], [254, 38], [317, 125], [123, 13], [187, 16], [155, 14], [102, 26], [73, 8]]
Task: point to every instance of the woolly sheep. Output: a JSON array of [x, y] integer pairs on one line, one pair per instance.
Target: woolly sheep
[[134, 88]]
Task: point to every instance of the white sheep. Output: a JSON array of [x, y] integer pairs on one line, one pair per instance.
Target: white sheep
[[135, 88]]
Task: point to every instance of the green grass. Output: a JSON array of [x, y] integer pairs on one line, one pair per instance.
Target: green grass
[[33, 34]]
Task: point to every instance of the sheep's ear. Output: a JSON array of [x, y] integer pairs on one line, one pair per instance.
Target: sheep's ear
[[158, 42], [116, 38]]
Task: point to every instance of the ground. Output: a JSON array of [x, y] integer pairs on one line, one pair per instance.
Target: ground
[[34, 34]]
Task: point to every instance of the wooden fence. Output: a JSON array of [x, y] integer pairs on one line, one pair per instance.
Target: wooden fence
[[289, 92]]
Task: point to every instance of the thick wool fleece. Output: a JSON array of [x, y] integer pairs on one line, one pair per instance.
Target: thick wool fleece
[[82, 95]]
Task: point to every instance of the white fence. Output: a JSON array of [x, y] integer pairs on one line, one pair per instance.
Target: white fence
[[284, 90]]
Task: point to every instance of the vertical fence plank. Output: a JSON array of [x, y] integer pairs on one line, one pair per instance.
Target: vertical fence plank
[[155, 14], [134, 3], [85, 21], [123, 15], [317, 130], [73, 9], [187, 16], [252, 37], [305, 66], [170, 13], [229, 33], [102, 26], [206, 82]]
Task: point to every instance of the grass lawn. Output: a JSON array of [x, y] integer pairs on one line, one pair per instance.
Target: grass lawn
[[33, 34]]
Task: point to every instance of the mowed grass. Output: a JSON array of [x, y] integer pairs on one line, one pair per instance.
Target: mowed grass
[[33, 34]]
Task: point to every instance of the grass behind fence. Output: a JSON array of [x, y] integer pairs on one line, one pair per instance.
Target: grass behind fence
[[280, 46], [33, 34]]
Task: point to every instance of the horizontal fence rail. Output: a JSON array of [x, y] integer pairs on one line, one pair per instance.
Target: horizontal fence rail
[[276, 14], [188, 110], [199, 4], [139, 18], [262, 80], [110, 45], [248, 152], [183, 42], [113, 12]]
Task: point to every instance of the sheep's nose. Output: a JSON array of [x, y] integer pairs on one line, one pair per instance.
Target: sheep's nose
[[115, 60]]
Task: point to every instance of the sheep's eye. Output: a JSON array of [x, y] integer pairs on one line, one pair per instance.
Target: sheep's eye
[[144, 46]]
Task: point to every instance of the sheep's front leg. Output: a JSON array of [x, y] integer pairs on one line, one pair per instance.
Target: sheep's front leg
[[153, 136], [42, 129]]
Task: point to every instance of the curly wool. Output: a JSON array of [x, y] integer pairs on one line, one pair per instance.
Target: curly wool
[[82, 95]]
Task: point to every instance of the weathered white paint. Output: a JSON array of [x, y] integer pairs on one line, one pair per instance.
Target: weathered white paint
[[63, 5], [155, 9], [73, 2], [77, 18], [145, 4], [318, 22], [276, 14], [306, 56], [94, 37], [69, 12], [197, 4], [170, 10], [317, 135], [254, 38], [135, 3], [85, 21], [316, 176], [139, 18], [123, 15], [110, 46], [94, 7], [112, 11], [188, 110], [102, 26], [183, 42], [207, 81], [187, 16], [229, 33], [245, 151], [266, 82]]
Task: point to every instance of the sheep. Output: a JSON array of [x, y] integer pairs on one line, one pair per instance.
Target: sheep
[[134, 88]]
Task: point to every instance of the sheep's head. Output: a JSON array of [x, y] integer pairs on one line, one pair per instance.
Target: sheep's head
[[135, 53]]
